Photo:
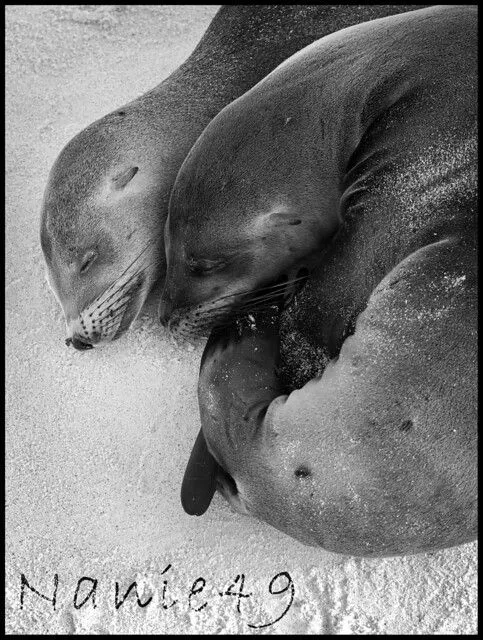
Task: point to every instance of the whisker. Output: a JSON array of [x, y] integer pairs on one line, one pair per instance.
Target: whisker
[[280, 285], [113, 312], [273, 295], [106, 330], [148, 244], [246, 305], [123, 295], [233, 308], [110, 322], [154, 262], [257, 300], [122, 290], [115, 289], [112, 316]]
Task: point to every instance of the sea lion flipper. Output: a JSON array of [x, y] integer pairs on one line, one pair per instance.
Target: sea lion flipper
[[260, 344], [199, 481], [364, 459]]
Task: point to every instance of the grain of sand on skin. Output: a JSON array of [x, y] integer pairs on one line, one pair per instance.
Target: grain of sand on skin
[[97, 441]]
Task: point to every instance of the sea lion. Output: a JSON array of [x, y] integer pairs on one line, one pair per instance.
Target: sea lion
[[106, 199], [358, 153]]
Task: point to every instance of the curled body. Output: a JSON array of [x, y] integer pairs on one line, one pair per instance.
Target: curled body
[[350, 422]]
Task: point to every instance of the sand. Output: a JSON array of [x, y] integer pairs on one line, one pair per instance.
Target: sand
[[97, 441]]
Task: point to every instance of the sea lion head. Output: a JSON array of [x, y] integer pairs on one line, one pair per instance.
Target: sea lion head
[[244, 212], [101, 263], [228, 244]]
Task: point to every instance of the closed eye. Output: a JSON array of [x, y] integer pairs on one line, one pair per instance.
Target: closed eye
[[88, 260], [205, 267]]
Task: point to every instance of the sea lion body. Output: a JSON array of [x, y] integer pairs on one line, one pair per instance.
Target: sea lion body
[[359, 150], [106, 201]]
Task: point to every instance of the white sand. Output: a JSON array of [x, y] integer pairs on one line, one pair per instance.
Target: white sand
[[97, 441]]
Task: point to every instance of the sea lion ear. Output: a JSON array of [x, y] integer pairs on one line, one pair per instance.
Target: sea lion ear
[[125, 176], [279, 217], [285, 218]]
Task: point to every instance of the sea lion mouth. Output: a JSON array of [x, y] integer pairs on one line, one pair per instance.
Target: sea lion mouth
[[192, 323]]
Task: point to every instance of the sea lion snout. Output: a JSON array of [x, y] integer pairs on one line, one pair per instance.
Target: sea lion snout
[[81, 344]]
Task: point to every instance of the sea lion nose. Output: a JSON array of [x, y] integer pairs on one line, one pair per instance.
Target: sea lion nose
[[81, 344]]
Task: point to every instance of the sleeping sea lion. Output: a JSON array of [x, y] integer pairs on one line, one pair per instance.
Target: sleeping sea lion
[[350, 421]]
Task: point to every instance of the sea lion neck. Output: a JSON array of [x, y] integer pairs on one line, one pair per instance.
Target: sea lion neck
[[229, 60]]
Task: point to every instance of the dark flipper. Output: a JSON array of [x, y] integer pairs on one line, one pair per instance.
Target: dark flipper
[[199, 481]]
